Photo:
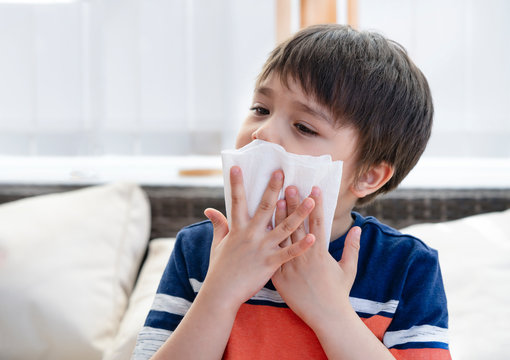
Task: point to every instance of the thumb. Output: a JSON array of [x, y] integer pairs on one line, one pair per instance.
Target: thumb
[[220, 224], [349, 260]]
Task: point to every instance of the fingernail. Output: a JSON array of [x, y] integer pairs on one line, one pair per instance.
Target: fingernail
[[309, 239], [316, 191], [281, 204], [356, 231], [278, 175], [308, 203], [291, 192], [235, 170]]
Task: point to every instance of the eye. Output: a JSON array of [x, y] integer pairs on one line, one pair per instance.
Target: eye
[[259, 110], [305, 130]]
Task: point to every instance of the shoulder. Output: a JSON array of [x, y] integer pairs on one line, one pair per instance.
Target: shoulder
[[391, 259], [389, 240], [399, 267], [195, 236], [192, 249], [199, 229]]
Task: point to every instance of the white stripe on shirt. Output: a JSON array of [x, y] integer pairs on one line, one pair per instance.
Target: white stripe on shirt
[[373, 307], [148, 342], [359, 305], [421, 333], [264, 294], [195, 284], [170, 304], [268, 295]]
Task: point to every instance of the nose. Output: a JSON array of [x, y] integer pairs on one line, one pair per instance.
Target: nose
[[256, 135], [267, 132]]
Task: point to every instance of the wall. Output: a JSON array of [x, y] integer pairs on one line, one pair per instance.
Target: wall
[[130, 77], [463, 48], [158, 77]]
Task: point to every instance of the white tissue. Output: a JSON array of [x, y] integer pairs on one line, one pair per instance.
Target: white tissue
[[259, 159]]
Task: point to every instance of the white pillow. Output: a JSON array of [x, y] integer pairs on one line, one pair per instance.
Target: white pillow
[[141, 299], [474, 254], [67, 266]]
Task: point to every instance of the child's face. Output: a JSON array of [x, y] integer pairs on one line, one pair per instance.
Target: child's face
[[290, 118]]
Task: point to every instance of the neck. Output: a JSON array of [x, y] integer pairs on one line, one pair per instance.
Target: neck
[[341, 224], [342, 220]]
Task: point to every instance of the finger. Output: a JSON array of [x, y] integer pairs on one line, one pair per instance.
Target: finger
[[220, 225], [294, 250], [292, 198], [267, 204], [316, 219], [239, 210], [349, 260], [281, 212], [279, 217], [291, 223]]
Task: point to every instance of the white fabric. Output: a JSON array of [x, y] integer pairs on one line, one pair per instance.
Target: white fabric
[[141, 301], [259, 159], [373, 307], [195, 284], [148, 342], [420, 333], [171, 304], [67, 267], [474, 255]]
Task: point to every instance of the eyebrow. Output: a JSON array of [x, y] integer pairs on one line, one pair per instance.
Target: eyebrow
[[313, 112], [267, 91], [264, 91]]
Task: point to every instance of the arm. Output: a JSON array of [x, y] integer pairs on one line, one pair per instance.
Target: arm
[[242, 260], [316, 288], [419, 328]]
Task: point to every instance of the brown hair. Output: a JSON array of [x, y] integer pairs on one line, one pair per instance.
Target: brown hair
[[367, 82]]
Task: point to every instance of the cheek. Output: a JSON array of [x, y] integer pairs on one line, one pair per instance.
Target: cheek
[[243, 136], [240, 141], [347, 175]]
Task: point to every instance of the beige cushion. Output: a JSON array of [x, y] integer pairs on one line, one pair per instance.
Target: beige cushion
[[141, 299], [67, 267], [474, 254]]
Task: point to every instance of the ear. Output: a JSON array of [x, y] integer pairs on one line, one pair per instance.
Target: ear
[[372, 180]]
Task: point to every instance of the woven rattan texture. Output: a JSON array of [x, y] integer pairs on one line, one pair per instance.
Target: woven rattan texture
[[175, 207]]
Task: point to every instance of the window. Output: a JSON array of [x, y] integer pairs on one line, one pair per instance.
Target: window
[[463, 49], [128, 78], [173, 78]]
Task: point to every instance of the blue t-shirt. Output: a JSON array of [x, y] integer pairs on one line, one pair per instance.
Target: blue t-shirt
[[398, 293]]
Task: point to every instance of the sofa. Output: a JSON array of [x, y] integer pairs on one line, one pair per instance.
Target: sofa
[[79, 269]]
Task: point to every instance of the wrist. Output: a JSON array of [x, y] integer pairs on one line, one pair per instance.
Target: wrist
[[217, 301], [345, 336], [334, 320]]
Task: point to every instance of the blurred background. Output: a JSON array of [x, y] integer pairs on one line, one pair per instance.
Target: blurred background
[[101, 83], [150, 91]]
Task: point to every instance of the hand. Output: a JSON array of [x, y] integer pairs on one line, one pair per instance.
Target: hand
[[244, 257], [314, 285]]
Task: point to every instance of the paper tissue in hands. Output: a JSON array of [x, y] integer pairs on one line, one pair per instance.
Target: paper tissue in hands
[[259, 159]]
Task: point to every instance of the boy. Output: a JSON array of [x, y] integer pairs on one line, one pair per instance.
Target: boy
[[278, 293]]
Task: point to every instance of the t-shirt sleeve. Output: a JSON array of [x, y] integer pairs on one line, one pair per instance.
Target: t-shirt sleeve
[[173, 298], [419, 329]]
